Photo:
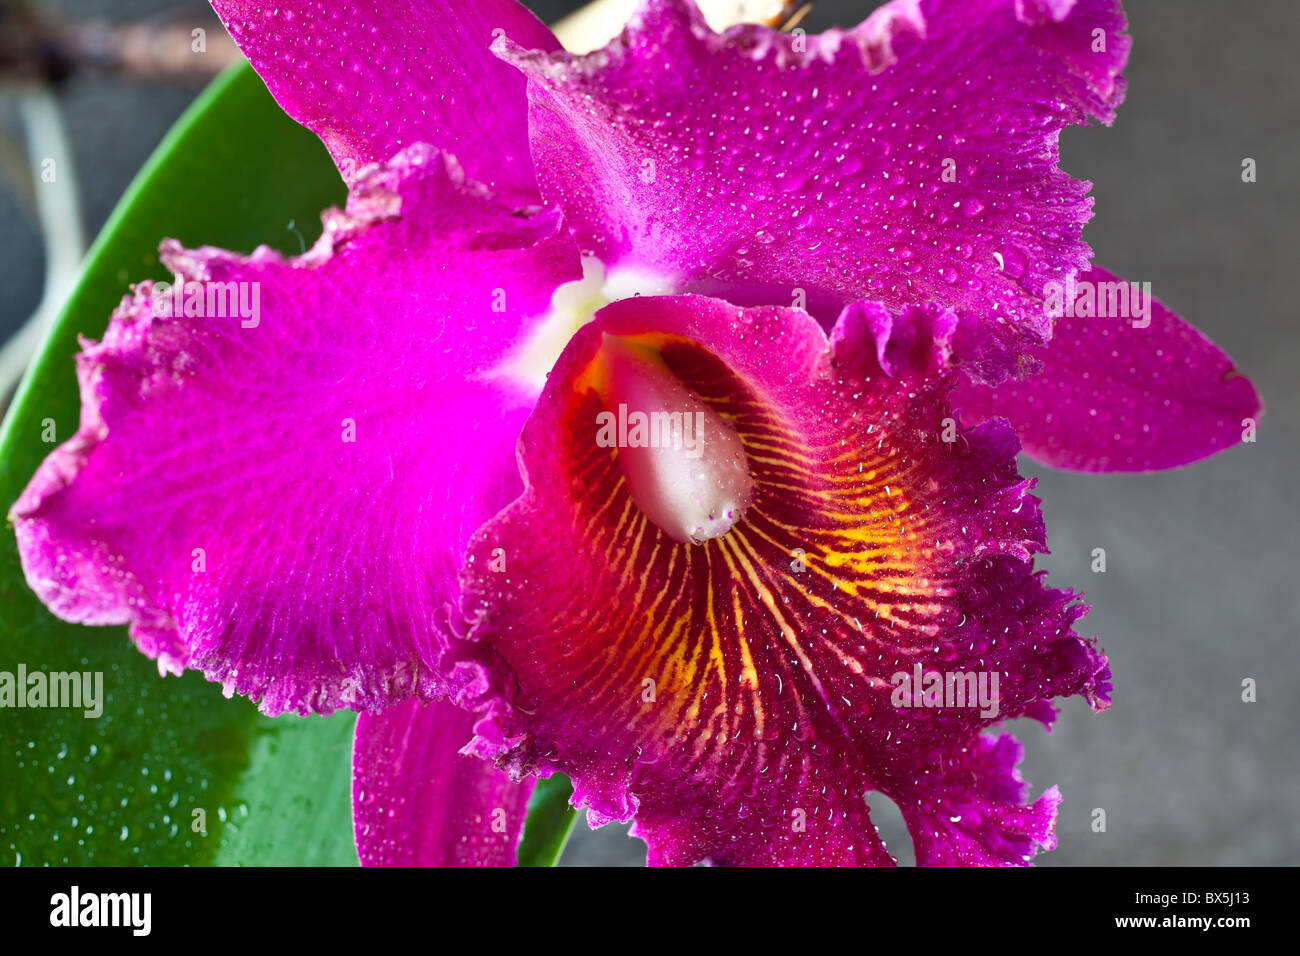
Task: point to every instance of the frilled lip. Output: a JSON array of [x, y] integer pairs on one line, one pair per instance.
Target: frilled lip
[[709, 689]]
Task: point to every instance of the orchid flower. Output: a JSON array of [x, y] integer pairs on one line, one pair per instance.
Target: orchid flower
[[414, 484]]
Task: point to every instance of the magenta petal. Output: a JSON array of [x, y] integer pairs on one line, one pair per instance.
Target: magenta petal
[[970, 810], [282, 501], [841, 832], [418, 801], [1122, 393], [371, 79], [912, 159]]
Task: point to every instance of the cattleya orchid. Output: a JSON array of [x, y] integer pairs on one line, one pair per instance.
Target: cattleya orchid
[[420, 488]]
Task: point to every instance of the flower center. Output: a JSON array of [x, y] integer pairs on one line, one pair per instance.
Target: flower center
[[685, 465], [573, 305]]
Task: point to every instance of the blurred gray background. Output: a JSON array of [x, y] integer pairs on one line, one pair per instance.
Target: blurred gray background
[[1200, 587]]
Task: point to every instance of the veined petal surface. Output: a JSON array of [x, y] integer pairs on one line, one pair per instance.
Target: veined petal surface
[[740, 696]]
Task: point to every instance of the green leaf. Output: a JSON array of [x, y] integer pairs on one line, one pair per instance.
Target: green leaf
[[550, 821], [172, 772]]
